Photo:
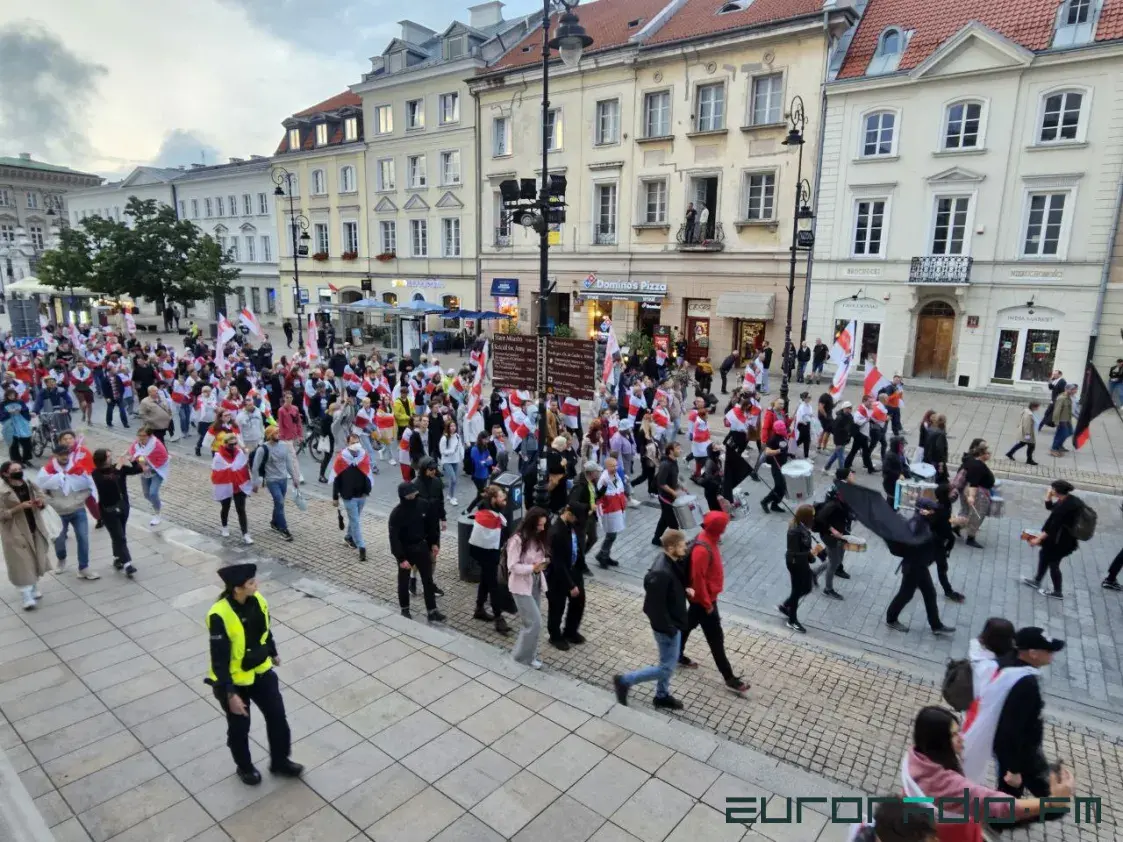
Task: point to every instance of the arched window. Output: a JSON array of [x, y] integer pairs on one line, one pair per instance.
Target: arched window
[[319, 183], [963, 125], [879, 134], [937, 308], [1062, 117], [890, 47], [418, 296], [347, 179]]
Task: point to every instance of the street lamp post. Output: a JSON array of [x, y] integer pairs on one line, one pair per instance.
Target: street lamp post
[[802, 236], [538, 212], [282, 176]]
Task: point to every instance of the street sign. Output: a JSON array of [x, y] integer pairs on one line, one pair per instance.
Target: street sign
[[514, 361], [571, 367], [805, 239], [365, 284], [303, 296]]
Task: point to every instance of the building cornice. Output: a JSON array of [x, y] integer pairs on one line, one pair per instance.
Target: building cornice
[[10, 173]]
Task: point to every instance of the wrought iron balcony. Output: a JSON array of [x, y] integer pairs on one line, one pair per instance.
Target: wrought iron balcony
[[948, 269], [502, 237], [604, 237], [693, 239]]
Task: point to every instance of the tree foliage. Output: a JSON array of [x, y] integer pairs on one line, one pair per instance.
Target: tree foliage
[[152, 255]]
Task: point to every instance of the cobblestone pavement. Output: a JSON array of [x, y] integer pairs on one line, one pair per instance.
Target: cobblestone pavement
[[843, 711], [406, 732]]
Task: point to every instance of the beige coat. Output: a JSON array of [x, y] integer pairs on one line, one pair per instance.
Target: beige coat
[[155, 414], [1029, 427], [25, 552], [1062, 409]]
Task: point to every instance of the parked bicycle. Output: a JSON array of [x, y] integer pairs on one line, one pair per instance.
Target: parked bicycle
[[315, 443]]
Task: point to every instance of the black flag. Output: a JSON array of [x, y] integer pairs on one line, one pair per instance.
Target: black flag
[[871, 509], [1094, 400]]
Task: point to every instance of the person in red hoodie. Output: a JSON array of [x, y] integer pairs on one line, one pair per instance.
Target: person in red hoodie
[[707, 578]]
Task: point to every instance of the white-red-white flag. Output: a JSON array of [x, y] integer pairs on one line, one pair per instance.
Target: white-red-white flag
[[310, 347], [247, 318], [842, 353], [875, 381], [130, 323], [225, 330], [610, 350]]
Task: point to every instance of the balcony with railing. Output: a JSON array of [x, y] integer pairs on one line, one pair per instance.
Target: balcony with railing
[[502, 237], [943, 269], [691, 238], [604, 236]]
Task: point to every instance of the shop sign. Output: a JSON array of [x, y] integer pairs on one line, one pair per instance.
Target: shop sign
[[1040, 348], [698, 309], [972, 321], [662, 338], [418, 283], [862, 309], [1036, 274], [571, 367], [365, 284], [861, 272], [514, 361], [594, 284], [505, 287], [651, 304]]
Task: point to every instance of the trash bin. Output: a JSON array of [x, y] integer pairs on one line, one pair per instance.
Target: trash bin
[[469, 570], [512, 483]]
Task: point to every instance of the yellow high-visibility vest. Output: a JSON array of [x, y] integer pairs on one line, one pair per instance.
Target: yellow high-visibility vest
[[237, 634]]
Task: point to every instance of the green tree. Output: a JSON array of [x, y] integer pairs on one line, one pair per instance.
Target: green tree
[[209, 272], [71, 263]]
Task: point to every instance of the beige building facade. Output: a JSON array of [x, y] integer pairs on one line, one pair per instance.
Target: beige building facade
[[671, 116]]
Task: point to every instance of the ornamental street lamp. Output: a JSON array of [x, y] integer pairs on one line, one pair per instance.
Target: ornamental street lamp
[[803, 238], [282, 176], [547, 207]]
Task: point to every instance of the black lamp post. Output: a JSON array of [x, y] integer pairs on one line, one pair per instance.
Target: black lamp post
[[296, 220], [548, 207], [802, 237]]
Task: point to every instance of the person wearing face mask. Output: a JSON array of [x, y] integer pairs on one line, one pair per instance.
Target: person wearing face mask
[[351, 482], [1056, 540], [23, 536], [410, 548], [230, 477]]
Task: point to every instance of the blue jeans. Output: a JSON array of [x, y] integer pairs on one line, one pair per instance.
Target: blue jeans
[[277, 489], [839, 454], [1064, 430], [81, 535], [668, 659], [764, 381], [120, 404], [452, 473], [354, 509], [185, 418], [150, 486]]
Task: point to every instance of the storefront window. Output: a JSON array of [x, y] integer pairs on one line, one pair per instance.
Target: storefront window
[[598, 312], [508, 307], [751, 338], [1007, 353], [1040, 351], [390, 298], [649, 315], [451, 302]]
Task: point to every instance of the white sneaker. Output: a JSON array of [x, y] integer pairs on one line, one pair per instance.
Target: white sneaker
[[35, 592], [246, 539], [536, 664], [155, 521], [392, 462], [633, 503], [226, 532], [88, 574], [454, 501], [28, 599]]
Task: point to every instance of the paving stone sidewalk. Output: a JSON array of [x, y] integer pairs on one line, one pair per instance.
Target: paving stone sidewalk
[[847, 717], [408, 733]]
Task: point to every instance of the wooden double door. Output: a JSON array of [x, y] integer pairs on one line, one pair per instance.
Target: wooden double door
[[935, 332]]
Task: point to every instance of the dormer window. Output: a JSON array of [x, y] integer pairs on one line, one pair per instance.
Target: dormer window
[[1076, 22], [294, 139], [734, 6], [890, 47], [322, 134], [351, 129], [456, 47], [396, 61]]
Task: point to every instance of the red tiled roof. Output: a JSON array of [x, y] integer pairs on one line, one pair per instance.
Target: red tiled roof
[[699, 17], [605, 20], [1028, 23], [337, 101]]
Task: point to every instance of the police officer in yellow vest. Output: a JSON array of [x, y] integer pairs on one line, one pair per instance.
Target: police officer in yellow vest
[[243, 653]]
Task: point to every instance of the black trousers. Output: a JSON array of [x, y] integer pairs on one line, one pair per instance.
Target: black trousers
[[801, 578], [328, 454], [803, 437], [915, 576], [724, 374], [20, 450], [418, 556], [863, 444], [239, 506], [559, 603], [877, 439], [160, 434], [647, 476], [711, 627], [667, 520], [265, 692], [115, 519], [1116, 566], [1051, 562], [1027, 445], [779, 487], [942, 574], [488, 560], [1035, 780]]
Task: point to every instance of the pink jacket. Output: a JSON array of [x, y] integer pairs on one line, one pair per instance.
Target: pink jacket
[[937, 782], [520, 566]]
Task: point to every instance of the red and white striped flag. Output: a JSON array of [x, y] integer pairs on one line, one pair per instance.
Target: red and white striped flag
[[310, 347], [487, 531], [247, 318], [346, 459], [842, 353], [130, 322], [154, 453], [875, 381], [610, 350]]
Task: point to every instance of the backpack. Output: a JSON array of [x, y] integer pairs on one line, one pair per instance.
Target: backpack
[[264, 460], [958, 687], [1083, 523]]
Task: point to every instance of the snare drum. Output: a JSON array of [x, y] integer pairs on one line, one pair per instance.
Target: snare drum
[[854, 544], [923, 471], [909, 491], [997, 506], [798, 477], [688, 513]]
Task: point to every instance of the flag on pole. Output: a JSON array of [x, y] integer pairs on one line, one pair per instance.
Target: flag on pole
[[842, 354], [876, 381], [247, 318], [310, 346], [1095, 399], [610, 350], [225, 330], [130, 323]]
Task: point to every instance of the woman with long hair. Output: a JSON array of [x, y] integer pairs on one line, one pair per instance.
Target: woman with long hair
[[113, 500], [801, 549], [933, 769], [527, 558], [978, 484], [23, 536], [483, 547], [995, 641], [452, 458], [151, 457], [647, 447], [922, 435]]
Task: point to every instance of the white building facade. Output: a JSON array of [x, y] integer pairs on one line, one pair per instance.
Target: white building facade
[[967, 202]]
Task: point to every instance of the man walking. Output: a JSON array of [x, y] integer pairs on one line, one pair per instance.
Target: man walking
[[565, 582], [66, 481], [668, 488], [915, 575], [664, 603], [273, 466], [832, 522], [410, 548], [707, 578], [1062, 417], [860, 434], [765, 364], [156, 413], [1027, 432], [288, 333], [243, 653], [1056, 539], [351, 483]]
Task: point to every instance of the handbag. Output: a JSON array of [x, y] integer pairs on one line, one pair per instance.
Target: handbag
[[52, 523], [299, 498]]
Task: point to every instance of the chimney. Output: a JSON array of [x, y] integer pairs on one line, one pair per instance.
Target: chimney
[[237, 160], [485, 14], [415, 33], [25, 156]]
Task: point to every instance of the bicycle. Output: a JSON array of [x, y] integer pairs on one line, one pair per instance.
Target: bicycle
[[315, 443], [48, 426]]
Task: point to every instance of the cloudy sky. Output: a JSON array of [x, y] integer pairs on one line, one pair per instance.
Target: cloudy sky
[[104, 85]]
